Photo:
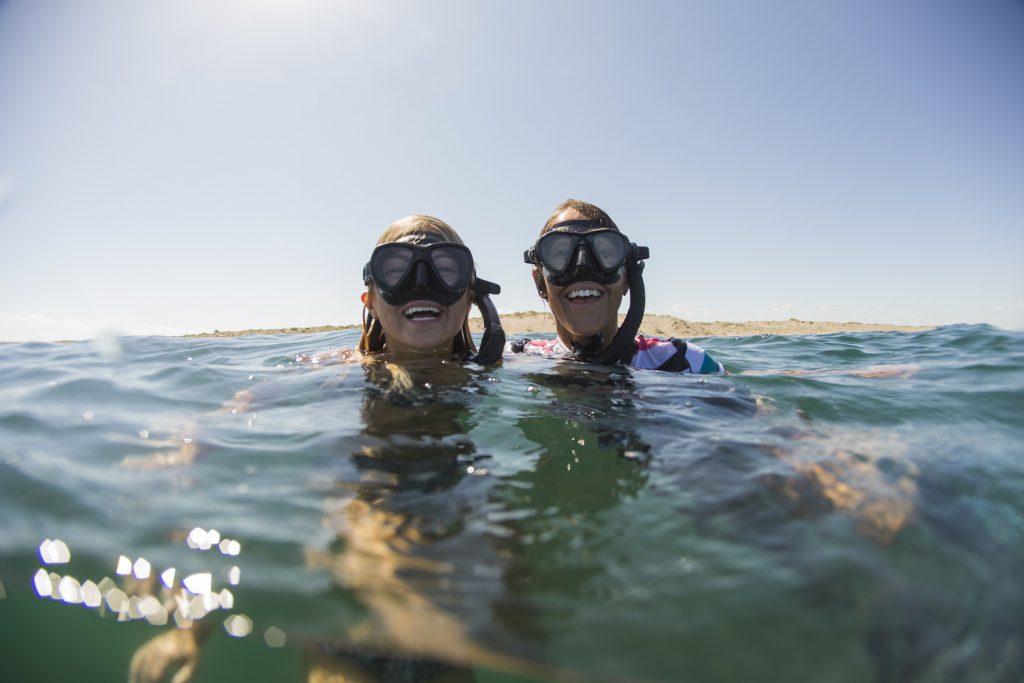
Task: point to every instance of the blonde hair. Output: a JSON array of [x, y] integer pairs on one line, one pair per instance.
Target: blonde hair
[[372, 340]]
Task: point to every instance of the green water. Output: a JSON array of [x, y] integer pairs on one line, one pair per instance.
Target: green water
[[531, 521]]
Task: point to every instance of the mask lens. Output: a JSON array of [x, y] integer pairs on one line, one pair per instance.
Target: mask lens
[[390, 264], [452, 266], [555, 250], [608, 248]]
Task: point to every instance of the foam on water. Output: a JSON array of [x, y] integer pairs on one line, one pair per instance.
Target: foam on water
[[860, 519]]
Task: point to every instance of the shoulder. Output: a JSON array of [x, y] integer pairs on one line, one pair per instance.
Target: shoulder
[[674, 355], [331, 356]]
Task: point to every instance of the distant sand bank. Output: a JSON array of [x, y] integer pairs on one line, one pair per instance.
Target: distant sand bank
[[654, 325]]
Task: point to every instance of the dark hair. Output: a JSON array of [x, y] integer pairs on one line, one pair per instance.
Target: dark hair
[[589, 211]]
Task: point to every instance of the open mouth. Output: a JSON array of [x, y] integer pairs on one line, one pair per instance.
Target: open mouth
[[584, 295], [422, 313]]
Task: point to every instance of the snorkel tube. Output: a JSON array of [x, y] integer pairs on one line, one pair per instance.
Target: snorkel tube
[[493, 341], [623, 344]]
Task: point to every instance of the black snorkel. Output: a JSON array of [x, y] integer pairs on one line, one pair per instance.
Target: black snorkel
[[492, 343], [623, 344]]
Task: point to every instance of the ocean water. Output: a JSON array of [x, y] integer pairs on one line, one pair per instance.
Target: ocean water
[[845, 507]]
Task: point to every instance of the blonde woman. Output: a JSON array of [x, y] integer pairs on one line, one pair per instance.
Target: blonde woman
[[420, 284]]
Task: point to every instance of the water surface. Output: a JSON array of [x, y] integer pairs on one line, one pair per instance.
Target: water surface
[[860, 521]]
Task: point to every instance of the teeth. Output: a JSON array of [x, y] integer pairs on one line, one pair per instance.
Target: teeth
[[582, 292], [413, 310]]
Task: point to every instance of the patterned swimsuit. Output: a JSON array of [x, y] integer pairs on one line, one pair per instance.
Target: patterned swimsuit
[[672, 355]]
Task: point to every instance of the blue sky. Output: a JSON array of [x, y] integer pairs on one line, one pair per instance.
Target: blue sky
[[174, 166]]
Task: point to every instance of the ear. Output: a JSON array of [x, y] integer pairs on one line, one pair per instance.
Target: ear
[[538, 281], [367, 300]]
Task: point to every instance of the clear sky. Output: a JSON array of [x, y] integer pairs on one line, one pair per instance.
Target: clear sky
[[184, 165]]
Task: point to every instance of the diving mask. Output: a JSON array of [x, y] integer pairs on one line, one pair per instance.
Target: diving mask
[[403, 272], [570, 252]]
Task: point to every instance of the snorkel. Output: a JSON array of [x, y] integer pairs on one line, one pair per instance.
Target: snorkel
[[623, 344], [492, 343], [428, 266]]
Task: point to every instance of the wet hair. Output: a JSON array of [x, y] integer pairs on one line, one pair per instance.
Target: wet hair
[[589, 211], [372, 340]]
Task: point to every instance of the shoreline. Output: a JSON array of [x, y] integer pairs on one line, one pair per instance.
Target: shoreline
[[654, 325]]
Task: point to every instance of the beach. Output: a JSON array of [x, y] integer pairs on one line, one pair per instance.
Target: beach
[[654, 325]]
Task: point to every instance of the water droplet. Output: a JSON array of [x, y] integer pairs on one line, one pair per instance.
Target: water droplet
[[144, 434], [238, 625], [230, 547], [149, 606], [158, 617], [88, 415], [54, 552], [91, 594], [234, 576], [199, 539], [70, 590], [274, 637], [117, 601], [198, 584], [124, 566], [167, 577], [141, 568], [42, 584]]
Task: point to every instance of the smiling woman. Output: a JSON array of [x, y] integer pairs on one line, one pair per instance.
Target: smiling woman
[[420, 284]]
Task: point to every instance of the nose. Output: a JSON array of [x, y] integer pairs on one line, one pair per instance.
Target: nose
[[422, 276], [584, 259]]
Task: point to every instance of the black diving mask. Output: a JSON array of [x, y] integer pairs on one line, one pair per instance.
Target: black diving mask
[[567, 254], [403, 272]]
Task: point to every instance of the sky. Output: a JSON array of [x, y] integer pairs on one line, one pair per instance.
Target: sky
[[175, 166]]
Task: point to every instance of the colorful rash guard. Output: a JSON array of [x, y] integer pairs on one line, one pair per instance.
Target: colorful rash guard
[[672, 355]]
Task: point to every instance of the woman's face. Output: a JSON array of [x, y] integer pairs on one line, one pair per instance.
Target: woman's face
[[584, 309], [421, 325]]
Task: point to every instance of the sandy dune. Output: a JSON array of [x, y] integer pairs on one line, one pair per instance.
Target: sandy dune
[[533, 322]]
